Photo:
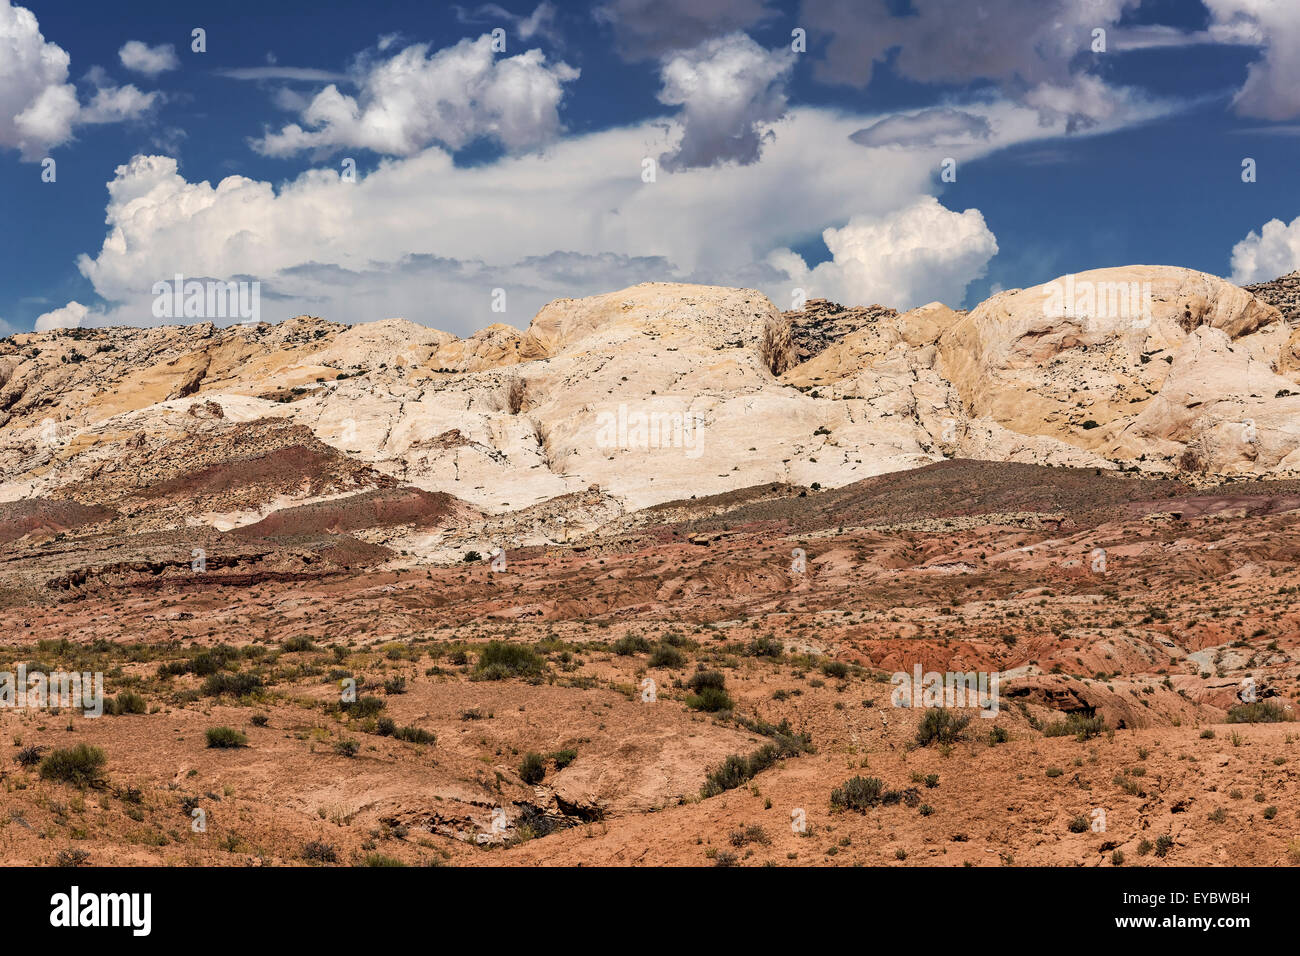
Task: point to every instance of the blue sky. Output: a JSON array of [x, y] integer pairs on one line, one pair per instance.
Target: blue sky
[[779, 165]]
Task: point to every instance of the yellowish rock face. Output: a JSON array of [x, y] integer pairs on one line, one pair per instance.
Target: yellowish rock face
[[664, 391]]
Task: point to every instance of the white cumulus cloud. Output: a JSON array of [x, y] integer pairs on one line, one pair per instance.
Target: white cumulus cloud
[[730, 90], [39, 109], [451, 98], [139, 57], [1272, 87], [918, 254], [422, 237], [1273, 251], [70, 316]]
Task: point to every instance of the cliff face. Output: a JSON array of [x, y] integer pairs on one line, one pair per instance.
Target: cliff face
[[663, 391]]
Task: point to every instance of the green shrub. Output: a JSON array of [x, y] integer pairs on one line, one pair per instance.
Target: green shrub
[[222, 737], [237, 685], [318, 851], [81, 765], [533, 768], [705, 680], [414, 735], [665, 655], [941, 725], [500, 660], [631, 644], [739, 769], [858, 793], [299, 642], [1077, 726], [1079, 824], [711, 700], [363, 707], [1260, 712], [347, 748], [127, 702], [563, 758], [836, 669]]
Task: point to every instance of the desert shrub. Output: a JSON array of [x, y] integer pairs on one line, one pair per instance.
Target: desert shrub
[[318, 851], [739, 769], [710, 700], [225, 737], [733, 772], [1260, 712], [1163, 845], [72, 857], [765, 646], [1077, 726], [702, 680], [1079, 824], [347, 748], [210, 661], [127, 702], [998, 735], [533, 768], [81, 765], [471, 556], [631, 644], [750, 834], [857, 793], [563, 758], [363, 707], [237, 685], [299, 642], [260, 720], [395, 685], [500, 660], [665, 655], [379, 859], [29, 756], [414, 735], [836, 669], [515, 394], [385, 726], [941, 725]]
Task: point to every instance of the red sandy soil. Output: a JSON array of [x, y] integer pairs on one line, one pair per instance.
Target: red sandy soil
[[961, 566]]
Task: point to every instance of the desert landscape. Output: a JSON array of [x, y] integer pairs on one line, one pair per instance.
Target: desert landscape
[[631, 586]]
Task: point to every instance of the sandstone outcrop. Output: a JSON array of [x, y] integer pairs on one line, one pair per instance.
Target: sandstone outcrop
[[666, 391]]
